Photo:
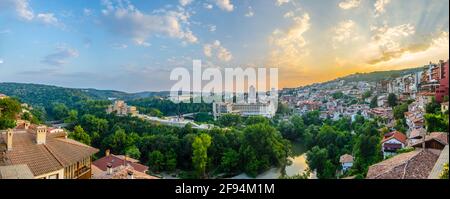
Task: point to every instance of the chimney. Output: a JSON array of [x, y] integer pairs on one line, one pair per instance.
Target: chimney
[[107, 152], [9, 139], [109, 169], [41, 134], [130, 175]]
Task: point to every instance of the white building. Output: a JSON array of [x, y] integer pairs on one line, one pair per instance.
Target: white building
[[121, 108]]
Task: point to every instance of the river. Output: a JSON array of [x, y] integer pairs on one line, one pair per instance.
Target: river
[[298, 166]]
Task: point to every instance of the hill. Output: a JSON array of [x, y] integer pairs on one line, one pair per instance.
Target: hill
[[379, 75], [45, 95]]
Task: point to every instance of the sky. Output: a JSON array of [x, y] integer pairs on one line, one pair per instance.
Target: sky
[[133, 45]]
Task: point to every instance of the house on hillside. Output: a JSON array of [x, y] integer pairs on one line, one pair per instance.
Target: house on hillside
[[118, 161], [392, 142], [416, 164], [346, 162]]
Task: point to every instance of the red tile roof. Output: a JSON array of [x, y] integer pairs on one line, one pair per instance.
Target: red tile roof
[[413, 165], [395, 135], [116, 162], [54, 155]]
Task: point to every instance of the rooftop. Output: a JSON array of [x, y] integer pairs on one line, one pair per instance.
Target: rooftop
[[117, 161], [412, 165], [55, 154]]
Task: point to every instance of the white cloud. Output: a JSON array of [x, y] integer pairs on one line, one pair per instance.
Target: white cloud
[[349, 4], [212, 28], [119, 46], [1, 61], [125, 19], [60, 56], [47, 18], [389, 42], [289, 45], [21, 7], [281, 2], [289, 14], [380, 7], [344, 32], [208, 6], [216, 49], [250, 12], [87, 12], [185, 2], [225, 5]]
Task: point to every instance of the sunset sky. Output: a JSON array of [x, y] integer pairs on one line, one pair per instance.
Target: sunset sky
[[132, 45]]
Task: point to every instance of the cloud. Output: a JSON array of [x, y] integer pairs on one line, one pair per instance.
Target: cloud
[[216, 49], [281, 2], [119, 46], [87, 12], [21, 7], [250, 12], [60, 56], [208, 6], [344, 32], [390, 42], [380, 7], [289, 44], [225, 5], [349, 4], [125, 19], [185, 2], [47, 19], [1, 61], [212, 28]]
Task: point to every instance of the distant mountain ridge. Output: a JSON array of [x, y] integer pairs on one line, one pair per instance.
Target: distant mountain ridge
[[46, 95]]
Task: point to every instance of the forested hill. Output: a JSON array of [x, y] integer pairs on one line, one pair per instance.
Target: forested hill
[[45, 96], [379, 75]]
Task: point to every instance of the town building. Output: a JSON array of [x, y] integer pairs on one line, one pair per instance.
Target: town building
[[346, 162], [121, 173], [444, 107], [47, 155], [416, 164], [443, 89], [392, 142], [114, 161], [121, 108], [267, 109]]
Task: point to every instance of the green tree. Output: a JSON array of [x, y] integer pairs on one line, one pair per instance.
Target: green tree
[[374, 102], [118, 141], [433, 107], [72, 117], [229, 120], [230, 161], [400, 110], [156, 161], [317, 159], [437, 122], [200, 153], [392, 100], [133, 152], [60, 111], [80, 135], [171, 160], [256, 120]]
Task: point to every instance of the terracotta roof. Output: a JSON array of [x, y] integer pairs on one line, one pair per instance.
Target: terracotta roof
[[440, 137], [21, 171], [54, 155], [346, 158], [397, 135], [120, 172], [116, 161], [413, 165], [417, 133]]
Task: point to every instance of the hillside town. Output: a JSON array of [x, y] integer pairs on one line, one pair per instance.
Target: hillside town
[[410, 150], [338, 99]]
